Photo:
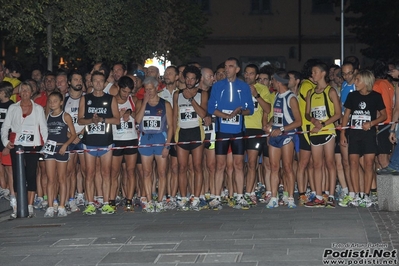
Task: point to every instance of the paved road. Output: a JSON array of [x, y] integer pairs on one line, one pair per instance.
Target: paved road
[[227, 237]]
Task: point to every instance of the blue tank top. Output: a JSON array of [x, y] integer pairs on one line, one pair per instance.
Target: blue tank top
[[154, 119], [57, 128], [283, 115]]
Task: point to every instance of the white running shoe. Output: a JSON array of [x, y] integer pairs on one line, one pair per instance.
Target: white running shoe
[[49, 212], [62, 212]]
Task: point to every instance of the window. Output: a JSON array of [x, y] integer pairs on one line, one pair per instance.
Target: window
[[322, 7], [261, 7]]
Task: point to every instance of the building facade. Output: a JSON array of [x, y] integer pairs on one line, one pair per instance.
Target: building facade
[[283, 32]]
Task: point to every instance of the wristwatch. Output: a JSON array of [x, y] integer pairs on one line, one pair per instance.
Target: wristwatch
[[257, 96], [323, 124], [80, 136], [282, 129]]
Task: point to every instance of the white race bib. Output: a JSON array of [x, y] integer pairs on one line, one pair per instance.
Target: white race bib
[[187, 114], [357, 121], [231, 121], [152, 123], [319, 113], [278, 119], [26, 137], [49, 147], [96, 129]]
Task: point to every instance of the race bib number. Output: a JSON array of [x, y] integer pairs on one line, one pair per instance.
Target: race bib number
[[278, 119], [26, 137], [357, 121], [319, 113], [231, 121], [211, 127], [124, 126], [208, 128], [187, 114], [152, 123], [96, 129], [3, 113], [75, 119], [49, 147]]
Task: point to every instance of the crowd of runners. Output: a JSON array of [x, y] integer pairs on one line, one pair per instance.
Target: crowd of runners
[[198, 138]]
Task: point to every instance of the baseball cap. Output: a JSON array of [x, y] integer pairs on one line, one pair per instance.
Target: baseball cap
[[140, 74]]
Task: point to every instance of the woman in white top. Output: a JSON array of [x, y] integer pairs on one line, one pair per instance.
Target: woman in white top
[[28, 126]]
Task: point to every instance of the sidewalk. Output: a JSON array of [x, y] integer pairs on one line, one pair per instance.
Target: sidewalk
[[240, 237], [4, 205]]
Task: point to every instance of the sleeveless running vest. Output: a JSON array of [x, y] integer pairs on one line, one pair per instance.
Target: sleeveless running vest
[[187, 117], [126, 130], [57, 128], [71, 107], [322, 108], [283, 115], [154, 119], [98, 134]]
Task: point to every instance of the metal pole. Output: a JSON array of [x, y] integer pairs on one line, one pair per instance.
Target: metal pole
[[22, 196], [342, 32]]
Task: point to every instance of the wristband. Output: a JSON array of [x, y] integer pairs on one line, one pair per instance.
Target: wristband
[[392, 131]]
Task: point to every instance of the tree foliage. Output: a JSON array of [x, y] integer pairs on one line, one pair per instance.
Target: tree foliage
[[376, 23], [112, 30]]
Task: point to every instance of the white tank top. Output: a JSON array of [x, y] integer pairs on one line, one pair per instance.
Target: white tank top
[[127, 129], [108, 87], [188, 118], [72, 107]]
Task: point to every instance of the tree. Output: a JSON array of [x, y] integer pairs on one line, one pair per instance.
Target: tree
[[112, 30], [376, 23]]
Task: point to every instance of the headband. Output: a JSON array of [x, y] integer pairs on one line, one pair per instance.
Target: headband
[[280, 79]]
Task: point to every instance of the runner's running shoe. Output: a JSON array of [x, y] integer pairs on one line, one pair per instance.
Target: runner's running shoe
[[37, 204], [355, 202], [13, 204], [215, 204], [272, 203], [302, 200], [291, 203], [374, 197], [194, 204], [183, 204], [159, 207], [241, 204], [72, 205], [330, 204], [203, 205], [90, 210], [365, 202], [49, 212], [62, 212], [345, 201], [148, 207], [5, 193], [316, 203], [30, 211], [107, 209]]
